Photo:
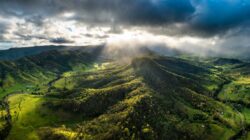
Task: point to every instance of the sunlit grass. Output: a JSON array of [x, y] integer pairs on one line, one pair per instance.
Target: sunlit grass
[[3, 122], [28, 115], [238, 90], [243, 80], [25, 116], [101, 66]]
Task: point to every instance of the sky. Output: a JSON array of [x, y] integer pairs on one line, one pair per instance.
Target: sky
[[203, 27]]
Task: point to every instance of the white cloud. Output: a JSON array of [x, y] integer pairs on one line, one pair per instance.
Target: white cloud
[[22, 33]]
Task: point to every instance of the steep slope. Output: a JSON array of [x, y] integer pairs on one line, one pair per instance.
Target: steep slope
[[35, 71], [149, 97], [16, 53]]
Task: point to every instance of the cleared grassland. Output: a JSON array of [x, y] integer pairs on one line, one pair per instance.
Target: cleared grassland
[[29, 115]]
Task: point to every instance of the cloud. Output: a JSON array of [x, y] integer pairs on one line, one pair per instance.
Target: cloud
[[181, 22], [154, 12], [60, 40], [3, 29], [215, 16], [201, 15]]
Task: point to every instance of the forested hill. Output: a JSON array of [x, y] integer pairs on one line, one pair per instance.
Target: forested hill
[[83, 94]]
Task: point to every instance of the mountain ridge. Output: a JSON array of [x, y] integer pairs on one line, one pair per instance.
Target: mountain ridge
[[84, 95]]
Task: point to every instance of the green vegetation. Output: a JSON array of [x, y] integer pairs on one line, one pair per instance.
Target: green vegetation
[[26, 116], [29, 114], [74, 95]]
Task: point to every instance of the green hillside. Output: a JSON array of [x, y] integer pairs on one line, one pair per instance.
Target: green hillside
[[16, 53], [72, 94]]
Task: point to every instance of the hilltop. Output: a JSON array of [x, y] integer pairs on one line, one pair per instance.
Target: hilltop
[[79, 94]]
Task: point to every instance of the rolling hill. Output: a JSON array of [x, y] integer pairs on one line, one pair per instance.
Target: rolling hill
[[74, 94], [16, 53]]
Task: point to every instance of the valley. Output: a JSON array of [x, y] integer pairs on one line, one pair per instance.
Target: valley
[[72, 94]]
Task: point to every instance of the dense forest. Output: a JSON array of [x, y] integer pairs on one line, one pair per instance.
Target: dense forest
[[73, 94]]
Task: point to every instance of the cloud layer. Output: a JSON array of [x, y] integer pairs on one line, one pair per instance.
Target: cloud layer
[[34, 22], [205, 15]]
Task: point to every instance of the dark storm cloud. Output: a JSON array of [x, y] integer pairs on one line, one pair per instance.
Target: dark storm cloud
[[200, 16], [131, 12], [3, 30], [220, 15], [154, 12], [60, 40], [30, 37], [28, 7], [35, 19]]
